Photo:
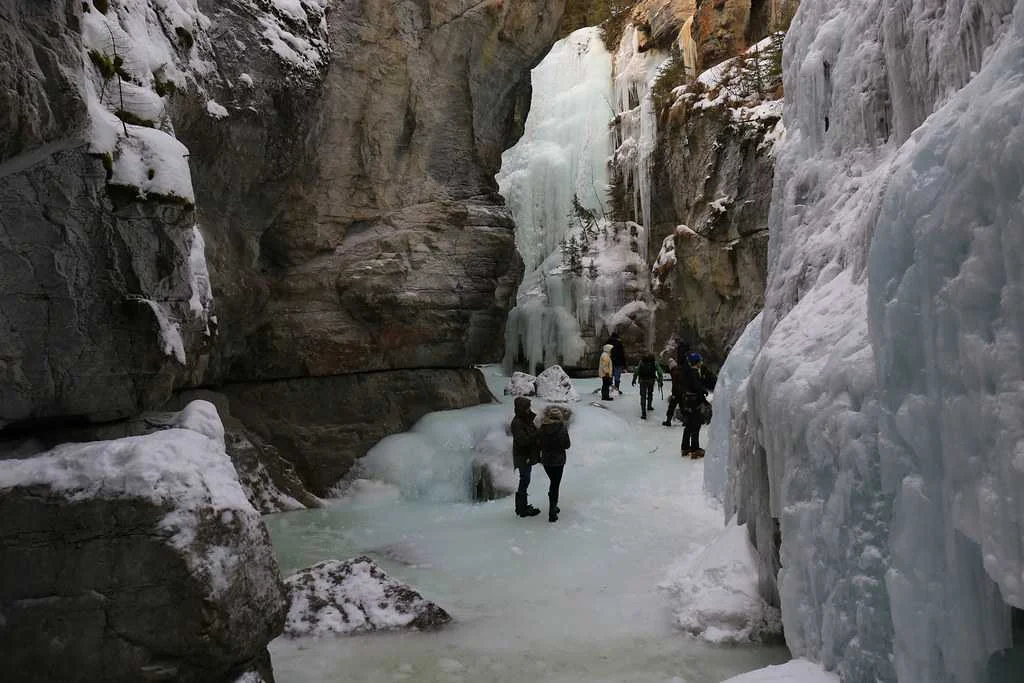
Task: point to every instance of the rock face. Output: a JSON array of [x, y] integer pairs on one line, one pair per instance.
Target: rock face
[[725, 28], [135, 559], [712, 190], [355, 596], [339, 165]]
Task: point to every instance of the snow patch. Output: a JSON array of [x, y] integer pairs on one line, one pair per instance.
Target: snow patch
[[715, 592], [795, 671], [216, 110]]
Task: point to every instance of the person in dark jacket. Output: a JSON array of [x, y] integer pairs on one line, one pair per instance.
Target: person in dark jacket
[[694, 394], [554, 440], [676, 373], [525, 452], [647, 373], [618, 359]]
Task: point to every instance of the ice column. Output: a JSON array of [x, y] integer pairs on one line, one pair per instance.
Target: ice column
[[635, 73]]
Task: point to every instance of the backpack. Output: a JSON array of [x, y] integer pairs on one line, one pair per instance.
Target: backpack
[[646, 369]]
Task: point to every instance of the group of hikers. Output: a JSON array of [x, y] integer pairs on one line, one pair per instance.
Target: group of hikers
[[547, 444]]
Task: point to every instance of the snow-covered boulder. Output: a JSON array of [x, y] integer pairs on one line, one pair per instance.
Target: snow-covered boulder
[[715, 593], [355, 596], [149, 555], [521, 384], [554, 385]]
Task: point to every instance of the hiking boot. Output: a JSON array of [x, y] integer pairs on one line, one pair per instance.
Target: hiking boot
[[644, 416], [530, 511], [667, 423], [697, 454], [553, 516], [650, 407]]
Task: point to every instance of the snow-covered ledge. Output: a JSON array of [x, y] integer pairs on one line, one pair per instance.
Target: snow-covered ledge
[[149, 556]]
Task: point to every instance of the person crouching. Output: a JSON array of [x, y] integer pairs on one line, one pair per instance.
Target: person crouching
[[525, 452], [554, 440]]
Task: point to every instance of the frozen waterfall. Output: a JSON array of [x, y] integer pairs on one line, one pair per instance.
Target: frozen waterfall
[[888, 394], [581, 269]]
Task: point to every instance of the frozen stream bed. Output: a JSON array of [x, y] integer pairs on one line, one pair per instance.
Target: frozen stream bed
[[577, 600]]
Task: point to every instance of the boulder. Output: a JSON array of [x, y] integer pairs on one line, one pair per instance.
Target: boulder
[[135, 559], [355, 596], [554, 385]]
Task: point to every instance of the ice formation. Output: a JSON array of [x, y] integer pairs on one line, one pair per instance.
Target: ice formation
[[888, 394], [734, 372], [563, 156], [635, 73]]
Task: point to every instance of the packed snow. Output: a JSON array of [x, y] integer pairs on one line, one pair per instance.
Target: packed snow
[[715, 593], [185, 468], [577, 600], [795, 671], [888, 395]]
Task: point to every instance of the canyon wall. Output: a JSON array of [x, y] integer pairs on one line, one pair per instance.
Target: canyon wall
[[280, 198]]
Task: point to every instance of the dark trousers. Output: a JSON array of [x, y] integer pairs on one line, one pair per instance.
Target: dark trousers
[[606, 387], [691, 423], [616, 374], [672, 403], [524, 483], [554, 473], [646, 396]]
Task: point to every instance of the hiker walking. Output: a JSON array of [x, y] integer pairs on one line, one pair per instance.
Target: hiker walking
[[618, 359], [647, 372], [525, 452], [675, 399], [604, 371], [554, 440]]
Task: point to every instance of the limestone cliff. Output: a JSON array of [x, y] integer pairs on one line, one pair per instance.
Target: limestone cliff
[[327, 167]]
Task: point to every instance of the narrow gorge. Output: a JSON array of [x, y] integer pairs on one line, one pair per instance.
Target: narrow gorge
[[267, 268]]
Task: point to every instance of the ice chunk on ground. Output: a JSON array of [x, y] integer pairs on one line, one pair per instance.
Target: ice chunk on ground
[[715, 593], [554, 385], [795, 671], [355, 596], [521, 384]]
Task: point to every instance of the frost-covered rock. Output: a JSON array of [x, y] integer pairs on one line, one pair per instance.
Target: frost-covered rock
[[355, 596], [554, 385], [521, 384], [715, 593], [132, 556]]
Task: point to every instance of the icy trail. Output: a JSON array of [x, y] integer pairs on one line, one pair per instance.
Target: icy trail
[[571, 601]]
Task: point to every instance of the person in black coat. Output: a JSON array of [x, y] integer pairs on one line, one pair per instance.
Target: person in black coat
[[525, 452], [554, 440], [694, 394]]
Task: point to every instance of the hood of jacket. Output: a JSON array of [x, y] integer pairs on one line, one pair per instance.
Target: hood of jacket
[[522, 407], [607, 348]]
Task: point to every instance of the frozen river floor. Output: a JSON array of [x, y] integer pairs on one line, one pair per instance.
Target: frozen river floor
[[577, 600]]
